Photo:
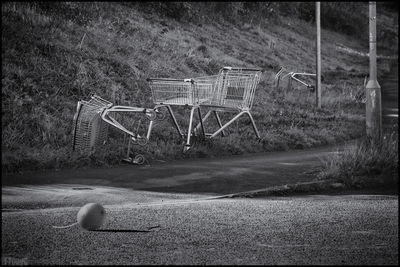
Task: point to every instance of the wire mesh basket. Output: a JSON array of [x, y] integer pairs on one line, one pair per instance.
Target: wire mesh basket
[[205, 88], [178, 91], [89, 129], [235, 88], [231, 88]]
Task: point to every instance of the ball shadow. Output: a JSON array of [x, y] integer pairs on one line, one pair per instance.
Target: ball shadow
[[121, 231]]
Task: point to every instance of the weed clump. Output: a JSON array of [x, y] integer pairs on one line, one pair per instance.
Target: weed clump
[[365, 164]]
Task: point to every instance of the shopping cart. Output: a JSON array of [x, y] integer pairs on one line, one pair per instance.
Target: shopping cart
[[178, 92], [232, 89], [294, 76], [91, 121]]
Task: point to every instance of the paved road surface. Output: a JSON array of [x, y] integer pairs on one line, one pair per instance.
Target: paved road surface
[[347, 229], [212, 175], [208, 177]]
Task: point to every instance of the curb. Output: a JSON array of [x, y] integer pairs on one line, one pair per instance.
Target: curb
[[281, 190]]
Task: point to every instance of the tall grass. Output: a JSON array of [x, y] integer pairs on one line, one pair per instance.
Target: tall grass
[[365, 164]]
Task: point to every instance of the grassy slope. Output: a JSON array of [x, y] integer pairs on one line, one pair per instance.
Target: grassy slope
[[50, 62]]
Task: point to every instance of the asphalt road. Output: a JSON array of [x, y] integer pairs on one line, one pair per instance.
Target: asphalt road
[[200, 176], [182, 179], [319, 229]]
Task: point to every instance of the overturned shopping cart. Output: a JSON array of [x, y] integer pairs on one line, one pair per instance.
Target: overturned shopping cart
[[92, 120], [232, 90], [284, 73]]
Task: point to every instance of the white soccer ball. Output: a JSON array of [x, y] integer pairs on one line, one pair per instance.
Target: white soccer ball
[[91, 216]]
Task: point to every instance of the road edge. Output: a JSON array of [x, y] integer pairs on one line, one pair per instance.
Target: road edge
[[283, 190]]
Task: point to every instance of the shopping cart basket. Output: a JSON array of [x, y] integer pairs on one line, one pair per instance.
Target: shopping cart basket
[[234, 91], [233, 88], [179, 92], [89, 130]]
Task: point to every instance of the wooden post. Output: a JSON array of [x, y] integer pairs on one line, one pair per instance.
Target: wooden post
[[373, 90], [318, 57]]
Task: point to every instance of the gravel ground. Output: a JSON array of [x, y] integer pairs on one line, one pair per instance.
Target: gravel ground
[[319, 229]]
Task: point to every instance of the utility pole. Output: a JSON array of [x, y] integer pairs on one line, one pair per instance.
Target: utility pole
[[318, 76], [373, 89]]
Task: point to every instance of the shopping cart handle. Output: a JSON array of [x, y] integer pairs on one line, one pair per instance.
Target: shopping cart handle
[[169, 80], [245, 69]]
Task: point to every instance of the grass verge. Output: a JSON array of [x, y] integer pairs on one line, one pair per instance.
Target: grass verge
[[366, 164]]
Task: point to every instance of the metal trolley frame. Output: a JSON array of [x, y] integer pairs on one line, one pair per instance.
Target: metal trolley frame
[[176, 92], [233, 89], [91, 121]]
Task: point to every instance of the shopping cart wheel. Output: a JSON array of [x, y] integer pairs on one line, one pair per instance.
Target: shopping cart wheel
[[139, 159], [151, 114], [141, 140]]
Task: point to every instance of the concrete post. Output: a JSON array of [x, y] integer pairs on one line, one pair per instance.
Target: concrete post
[[373, 89]]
